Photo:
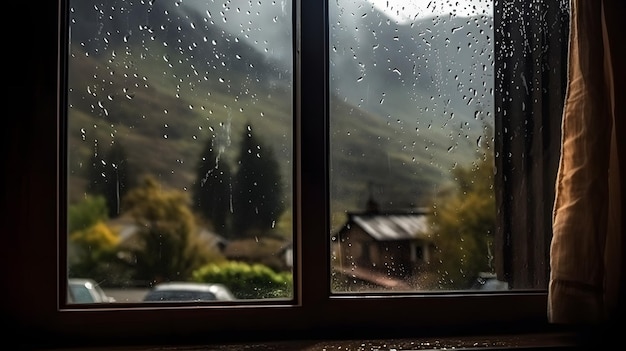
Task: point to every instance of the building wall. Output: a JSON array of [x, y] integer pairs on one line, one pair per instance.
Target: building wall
[[354, 247]]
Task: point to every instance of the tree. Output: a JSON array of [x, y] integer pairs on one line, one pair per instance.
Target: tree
[[94, 255], [86, 213], [109, 176], [464, 223], [170, 246], [257, 200], [211, 189]]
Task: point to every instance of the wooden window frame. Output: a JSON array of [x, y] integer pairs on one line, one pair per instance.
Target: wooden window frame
[[35, 198]]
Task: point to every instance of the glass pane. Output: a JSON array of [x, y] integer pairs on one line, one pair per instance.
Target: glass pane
[[179, 148], [412, 158]]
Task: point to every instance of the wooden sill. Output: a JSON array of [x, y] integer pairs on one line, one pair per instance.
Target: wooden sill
[[539, 341]]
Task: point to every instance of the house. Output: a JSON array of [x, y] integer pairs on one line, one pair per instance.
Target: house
[[269, 251], [127, 229], [393, 245]]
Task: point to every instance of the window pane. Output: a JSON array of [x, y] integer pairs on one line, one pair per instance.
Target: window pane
[[179, 147], [412, 156]]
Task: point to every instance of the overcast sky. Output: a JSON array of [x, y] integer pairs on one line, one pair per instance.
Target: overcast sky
[[405, 11], [267, 24]]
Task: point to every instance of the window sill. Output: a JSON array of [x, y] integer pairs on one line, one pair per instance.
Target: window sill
[[530, 341]]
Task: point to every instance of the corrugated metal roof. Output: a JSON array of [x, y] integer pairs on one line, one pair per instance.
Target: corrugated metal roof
[[386, 227]]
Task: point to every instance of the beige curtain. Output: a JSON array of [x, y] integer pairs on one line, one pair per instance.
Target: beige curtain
[[587, 249]]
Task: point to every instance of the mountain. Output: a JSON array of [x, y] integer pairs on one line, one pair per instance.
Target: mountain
[[436, 71], [408, 101], [430, 81]]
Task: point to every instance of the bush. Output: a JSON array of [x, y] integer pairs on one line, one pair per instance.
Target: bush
[[247, 281]]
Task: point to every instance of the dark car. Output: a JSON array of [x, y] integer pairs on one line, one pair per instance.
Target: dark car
[[188, 291]]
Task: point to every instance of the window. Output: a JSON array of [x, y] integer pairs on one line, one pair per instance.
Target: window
[[528, 68], [180, 145], [411, 149]]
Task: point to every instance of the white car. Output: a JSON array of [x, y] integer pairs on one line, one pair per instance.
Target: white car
[[81, 290], [489, 281], [188, 291]]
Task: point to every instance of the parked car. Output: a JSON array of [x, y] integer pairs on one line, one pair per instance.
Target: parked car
[[84, 290], [188, 291], [489, 281]]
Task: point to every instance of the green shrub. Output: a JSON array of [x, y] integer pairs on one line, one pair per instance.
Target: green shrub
[[247, 281]]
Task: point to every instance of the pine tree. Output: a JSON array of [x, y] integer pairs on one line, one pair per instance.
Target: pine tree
[[211, 189], [109, 177], [96, 175], [257, 200]]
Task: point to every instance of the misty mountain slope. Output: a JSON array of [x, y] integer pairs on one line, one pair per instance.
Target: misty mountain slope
[[164, 126], [167, 143], [161, 77], [430, 81], [368, 154], [431, 71]]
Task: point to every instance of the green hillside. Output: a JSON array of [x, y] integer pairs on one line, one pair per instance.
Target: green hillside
[[163, 127], [162, 102]]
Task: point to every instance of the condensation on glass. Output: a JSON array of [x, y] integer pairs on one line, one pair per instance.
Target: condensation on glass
[[412, 157], [179, 149]]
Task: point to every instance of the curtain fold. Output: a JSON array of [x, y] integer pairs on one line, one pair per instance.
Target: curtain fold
[[587, 249]]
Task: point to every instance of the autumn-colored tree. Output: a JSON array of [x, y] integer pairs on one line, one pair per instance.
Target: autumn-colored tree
[[169, 244], [93, 245], [98, 237], [464, 224], [93, 253]]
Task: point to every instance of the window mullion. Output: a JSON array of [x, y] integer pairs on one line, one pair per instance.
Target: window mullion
[[312, 144]]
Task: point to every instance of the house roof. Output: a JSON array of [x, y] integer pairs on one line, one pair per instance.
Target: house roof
[[391, 226]]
